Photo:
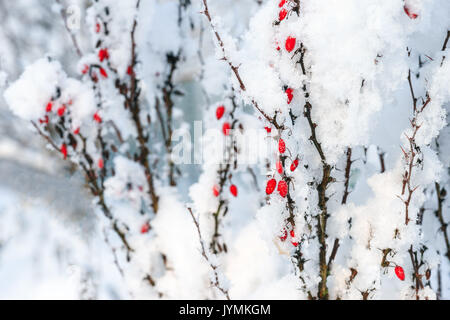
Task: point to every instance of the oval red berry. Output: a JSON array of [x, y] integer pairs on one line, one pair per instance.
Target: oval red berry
[[284, 236], [103, 73], [290, 95], [282, 188], [282, 14], [219, 112], [279, 167], [103, 54], [226, 128], [294, 165], [145, 228], [216, 191], [270, 187], [281, 146], [97, 118], [400, 273], [290, 44]]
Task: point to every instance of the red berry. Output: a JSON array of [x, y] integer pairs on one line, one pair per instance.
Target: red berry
[[100, 163], [103, 73], [145, 228], [290, 44], [282, 188], [233, 190], [279, 167], [410, 14], [85, 69], [226, 128], [294, 165], [281, 146], [282, 14], [76, 131], [292, 233], [295, 244], [97, 118], [290, 95], [62, 110], [64, 150], [219, 112], [284, 236], [270, 187], [400, 273], [216, 191], [103, 54], [282, 2], [268, 129], [130, 70], [49, 107], [97, 27], [45, 120]]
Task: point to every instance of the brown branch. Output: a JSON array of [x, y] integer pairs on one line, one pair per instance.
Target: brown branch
[[223, 173], [72, 36], [321, 190], [216, 282], [347, 175], [416, 275], [440, 193], [236, 69]]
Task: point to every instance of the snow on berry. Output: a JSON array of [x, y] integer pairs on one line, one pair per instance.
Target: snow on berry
[[34, 89], [61, 110], [281, 146], [100, 163], [85, 69], [216, 190], [282, 14], [279, 167], [226, 128], [145, 228], [282, 188], [294, 165], [290, 95], [284, 236], [271, 185], [234, 190], [103, 73], [219, 112]]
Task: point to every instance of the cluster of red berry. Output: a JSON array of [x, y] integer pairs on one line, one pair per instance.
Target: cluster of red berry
[[226, 127], [292, 234]]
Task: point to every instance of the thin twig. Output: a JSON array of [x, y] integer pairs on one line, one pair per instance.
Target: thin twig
[[216, 282]]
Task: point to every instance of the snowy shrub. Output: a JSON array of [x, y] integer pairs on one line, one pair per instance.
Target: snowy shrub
[[323, 143]]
